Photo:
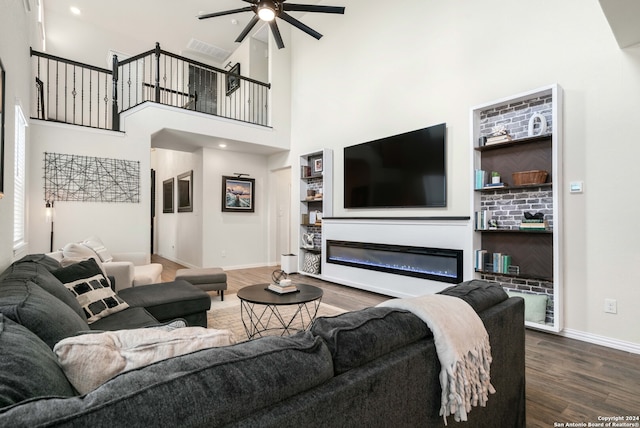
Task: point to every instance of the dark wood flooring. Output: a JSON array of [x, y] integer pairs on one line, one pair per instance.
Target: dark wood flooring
[[568, 381]]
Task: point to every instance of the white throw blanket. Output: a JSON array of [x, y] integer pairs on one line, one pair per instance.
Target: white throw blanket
[[463, 348]]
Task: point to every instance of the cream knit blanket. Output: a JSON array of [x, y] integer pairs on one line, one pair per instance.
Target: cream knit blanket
[[463, 348]]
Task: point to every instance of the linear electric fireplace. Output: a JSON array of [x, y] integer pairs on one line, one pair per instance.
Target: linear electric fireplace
[[436, 264]]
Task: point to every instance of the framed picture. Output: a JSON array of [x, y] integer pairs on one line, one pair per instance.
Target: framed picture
[[238, 194], [233, 79], [2, 114], [167, 195], [317, 165], [185, 192]]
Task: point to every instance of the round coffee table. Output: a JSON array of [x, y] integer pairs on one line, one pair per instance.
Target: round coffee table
[[264, 311]]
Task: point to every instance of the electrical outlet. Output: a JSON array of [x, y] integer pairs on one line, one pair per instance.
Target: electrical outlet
[[224, 253], [611, 306]]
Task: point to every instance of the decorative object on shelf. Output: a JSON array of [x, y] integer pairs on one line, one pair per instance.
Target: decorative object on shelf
[[307, 240], [534, 222], [238, 194], [311, 263], [311, 194], [185, 192], [278, 275], [499, 134], [525, 178], [167, 195], [542, 129], [495, 177], [317, 166]]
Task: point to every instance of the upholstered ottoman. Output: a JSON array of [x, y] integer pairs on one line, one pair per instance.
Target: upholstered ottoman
[[207, 279], [170, 300]]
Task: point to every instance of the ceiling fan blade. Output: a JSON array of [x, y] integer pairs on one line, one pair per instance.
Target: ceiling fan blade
[[226, 12], [291, 20], [251, 1], [248, 28], [312, 8], [276, 34]]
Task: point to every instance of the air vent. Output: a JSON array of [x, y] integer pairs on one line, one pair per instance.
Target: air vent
[[206, 49]]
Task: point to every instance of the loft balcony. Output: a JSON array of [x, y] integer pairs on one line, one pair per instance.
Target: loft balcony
[[80, 94]]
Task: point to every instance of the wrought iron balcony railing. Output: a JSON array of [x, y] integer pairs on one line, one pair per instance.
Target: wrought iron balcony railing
[[80, 94]]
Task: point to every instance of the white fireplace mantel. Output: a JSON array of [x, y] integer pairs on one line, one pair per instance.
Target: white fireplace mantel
[[436, 232]]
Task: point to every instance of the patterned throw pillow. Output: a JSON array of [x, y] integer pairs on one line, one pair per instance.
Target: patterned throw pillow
[[90, 287], [311, 263]]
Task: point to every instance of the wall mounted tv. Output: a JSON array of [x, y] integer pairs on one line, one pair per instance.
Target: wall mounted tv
[[403, 171]]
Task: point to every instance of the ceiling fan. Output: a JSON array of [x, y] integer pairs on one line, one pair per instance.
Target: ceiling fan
[[268, 10]]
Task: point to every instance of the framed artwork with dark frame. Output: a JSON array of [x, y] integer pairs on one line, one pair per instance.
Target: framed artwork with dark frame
[[185, 192], [233, 79], [167, 195], [238, 194], [2, 115]]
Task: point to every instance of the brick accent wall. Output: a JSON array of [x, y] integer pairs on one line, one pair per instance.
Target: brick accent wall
[[515, 116], [507, 206]]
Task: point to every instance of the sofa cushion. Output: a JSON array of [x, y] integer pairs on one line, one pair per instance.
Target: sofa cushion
[[479, 294], [129, 318], [91, 288], [89, 360], [28, 368], [535, 306], [213, 387], [40, 273], [26, 303], [42, 259], [355, 338]]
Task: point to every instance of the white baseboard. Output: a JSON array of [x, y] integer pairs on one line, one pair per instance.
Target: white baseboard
[[622, 345]]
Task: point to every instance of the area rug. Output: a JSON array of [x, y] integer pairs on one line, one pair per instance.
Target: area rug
[[226, 315]]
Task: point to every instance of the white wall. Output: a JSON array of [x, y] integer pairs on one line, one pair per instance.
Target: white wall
[[17, 34], [431, 61], [122, 226]]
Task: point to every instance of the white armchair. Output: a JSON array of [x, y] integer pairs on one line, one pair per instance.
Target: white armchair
[[128, 269]]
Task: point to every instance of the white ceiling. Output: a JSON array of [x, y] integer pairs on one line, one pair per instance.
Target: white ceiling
[[172, 22], [624, 18], [142, 23]]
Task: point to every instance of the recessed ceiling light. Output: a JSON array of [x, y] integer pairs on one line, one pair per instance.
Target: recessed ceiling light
[[74, 10], [222, 145]]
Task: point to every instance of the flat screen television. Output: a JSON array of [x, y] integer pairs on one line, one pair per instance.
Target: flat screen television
[[403, 171]]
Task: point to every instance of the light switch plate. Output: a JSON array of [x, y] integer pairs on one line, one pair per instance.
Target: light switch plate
[[575, 187]]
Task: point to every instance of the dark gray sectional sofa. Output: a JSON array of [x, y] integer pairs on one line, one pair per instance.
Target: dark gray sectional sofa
[[371, 368]]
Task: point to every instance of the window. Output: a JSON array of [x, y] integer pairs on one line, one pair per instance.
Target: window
[[19, 198]]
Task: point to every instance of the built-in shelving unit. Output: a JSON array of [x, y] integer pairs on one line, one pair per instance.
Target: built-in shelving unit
[[316, 202], [529, 260]]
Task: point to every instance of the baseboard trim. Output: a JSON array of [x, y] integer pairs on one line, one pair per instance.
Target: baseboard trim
[[608, 342]]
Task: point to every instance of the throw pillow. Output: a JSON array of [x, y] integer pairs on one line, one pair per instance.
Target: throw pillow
[[92, 359], [89, 285], [535, 306], [311, 263], [98, 247], [28, 368], [74, 253]]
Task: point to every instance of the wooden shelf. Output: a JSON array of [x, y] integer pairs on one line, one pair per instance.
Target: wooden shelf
[[518, 142], [545, 231], [524, 187]]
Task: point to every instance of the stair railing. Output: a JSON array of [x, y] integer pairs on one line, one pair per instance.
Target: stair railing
[[75, 93]]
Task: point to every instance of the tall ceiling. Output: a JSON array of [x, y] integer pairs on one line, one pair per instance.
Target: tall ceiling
[[134, 26]]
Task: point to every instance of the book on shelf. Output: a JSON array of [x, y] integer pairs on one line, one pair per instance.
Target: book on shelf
[[491, 262], [277, 288], [534, 225], [495, 185], [503, 138], [481, 178], [481, 220]]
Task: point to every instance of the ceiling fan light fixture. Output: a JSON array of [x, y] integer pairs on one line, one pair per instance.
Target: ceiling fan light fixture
[[266, 12]]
